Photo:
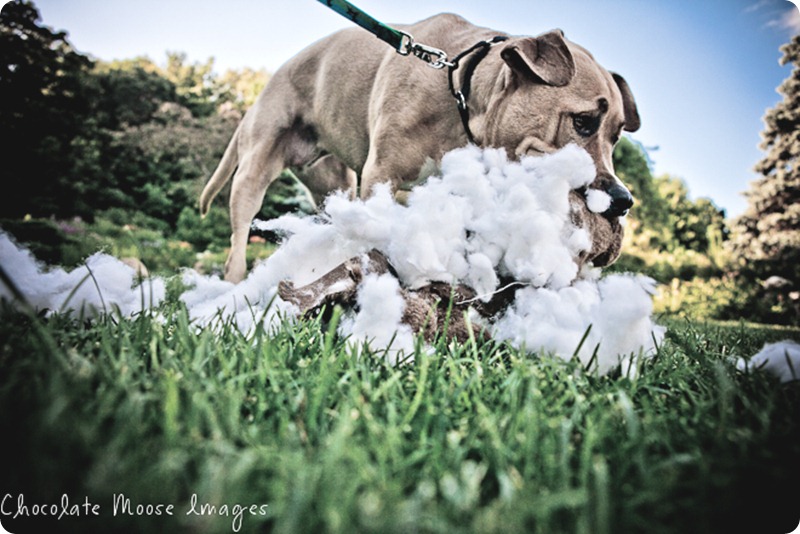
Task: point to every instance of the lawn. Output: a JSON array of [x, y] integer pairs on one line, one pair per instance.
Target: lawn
[[148, 424]]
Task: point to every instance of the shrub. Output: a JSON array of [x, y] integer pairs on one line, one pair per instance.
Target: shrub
[[112, 222], [725, 297], [209, 232], [167, 256], [681, 263], [51, 241]]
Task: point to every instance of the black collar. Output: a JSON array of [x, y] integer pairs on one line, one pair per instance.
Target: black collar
[[461, 95]]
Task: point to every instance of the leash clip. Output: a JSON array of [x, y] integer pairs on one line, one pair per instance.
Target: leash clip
[[434, 57], [406, 44]]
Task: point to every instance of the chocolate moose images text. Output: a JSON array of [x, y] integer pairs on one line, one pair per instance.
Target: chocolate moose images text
[[19, 506]]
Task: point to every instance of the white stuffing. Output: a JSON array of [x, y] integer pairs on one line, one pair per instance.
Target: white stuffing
[[781, 359], [377, 321], [103, 284], [597, 201], [615, 311], [484, 217]]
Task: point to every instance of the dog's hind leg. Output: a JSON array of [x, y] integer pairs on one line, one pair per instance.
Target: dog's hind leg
[[256, 171], [271, 148]]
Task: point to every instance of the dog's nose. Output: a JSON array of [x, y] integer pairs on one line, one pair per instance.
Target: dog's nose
[[621, 201]]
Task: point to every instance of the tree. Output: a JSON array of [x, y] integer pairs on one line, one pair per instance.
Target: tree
[[161, 164], [690, 224], [82, 137], [766, 243], [195, 83], [131, 92], [767, 235], [631, 165], [242, 87], [668, 235], [43, 114]]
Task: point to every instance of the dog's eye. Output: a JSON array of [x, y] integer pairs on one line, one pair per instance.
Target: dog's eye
[[585, 125]]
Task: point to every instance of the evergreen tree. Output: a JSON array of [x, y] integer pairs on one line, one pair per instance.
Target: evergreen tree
[[767, 235]]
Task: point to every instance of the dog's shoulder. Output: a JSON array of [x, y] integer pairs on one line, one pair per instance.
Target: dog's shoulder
[[448, 28]]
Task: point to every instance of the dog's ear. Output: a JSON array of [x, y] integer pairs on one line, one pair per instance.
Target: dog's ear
[[632, 121], [547, 58]]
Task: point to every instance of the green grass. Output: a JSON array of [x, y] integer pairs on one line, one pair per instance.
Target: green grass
[[474, 438]]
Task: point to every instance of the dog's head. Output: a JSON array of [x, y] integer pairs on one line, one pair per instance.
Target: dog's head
[[552, 93]]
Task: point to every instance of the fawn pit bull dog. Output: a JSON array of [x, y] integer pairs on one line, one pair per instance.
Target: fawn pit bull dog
[[348, 112]]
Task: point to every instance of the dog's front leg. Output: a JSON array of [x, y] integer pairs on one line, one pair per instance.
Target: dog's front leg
[[393, 166]]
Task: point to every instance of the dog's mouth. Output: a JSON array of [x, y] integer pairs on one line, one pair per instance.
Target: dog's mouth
[[604, 227], [607, 240]]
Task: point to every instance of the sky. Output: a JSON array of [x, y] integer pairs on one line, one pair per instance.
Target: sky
[[703, 72]]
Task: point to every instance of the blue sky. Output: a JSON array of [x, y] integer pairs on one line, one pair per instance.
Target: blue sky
[[703, 72]]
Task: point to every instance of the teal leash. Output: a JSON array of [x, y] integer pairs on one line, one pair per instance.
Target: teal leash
[[396, 39], [401, 41]]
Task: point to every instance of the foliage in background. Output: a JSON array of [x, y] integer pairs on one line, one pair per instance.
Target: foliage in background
[[166, 159], [127, 134], [41, 77], [677, 241], [664, 218]]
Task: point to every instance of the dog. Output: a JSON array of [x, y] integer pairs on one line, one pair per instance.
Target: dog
[[348, 112]]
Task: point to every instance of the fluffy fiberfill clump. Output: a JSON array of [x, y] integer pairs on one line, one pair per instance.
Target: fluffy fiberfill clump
[[780, 359], [102, 284], [483, 222]]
